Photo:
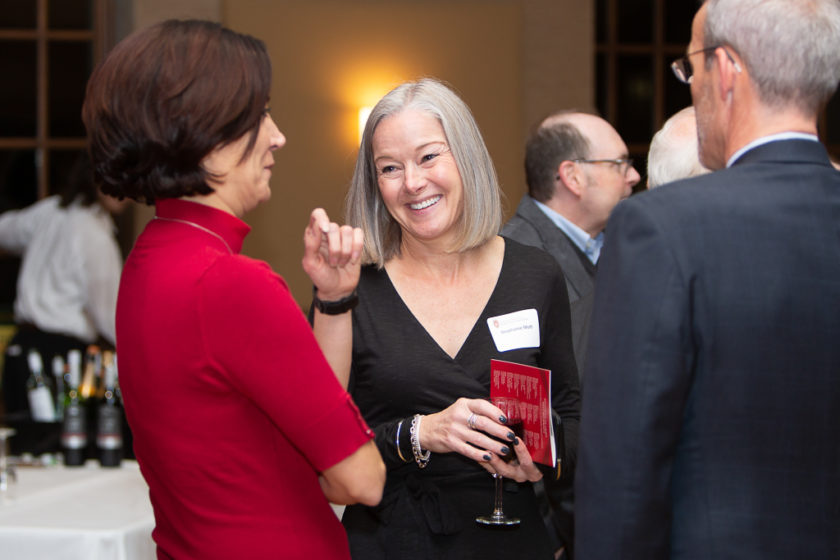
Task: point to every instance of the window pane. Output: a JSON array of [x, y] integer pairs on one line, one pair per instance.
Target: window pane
[[62, 164], [677, 94], [9, 267], [18, 14], [602, 84], [678, 18], [17, 190], [635, 21], [70, 14], [640, 163], [18, 187], [601, 35], [635, 98], [832, 134], [70, 64], [18, 96]]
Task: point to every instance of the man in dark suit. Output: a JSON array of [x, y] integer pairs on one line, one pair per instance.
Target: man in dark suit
[[711, 416], [577, 170]]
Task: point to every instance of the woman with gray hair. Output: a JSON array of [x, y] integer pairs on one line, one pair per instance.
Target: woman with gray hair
[[411, 332]]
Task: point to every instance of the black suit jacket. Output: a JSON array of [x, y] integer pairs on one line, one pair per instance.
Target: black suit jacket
[[711, 417], [530, 226]]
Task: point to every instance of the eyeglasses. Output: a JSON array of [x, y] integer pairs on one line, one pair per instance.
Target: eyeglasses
[[683, 69], [623, 164]]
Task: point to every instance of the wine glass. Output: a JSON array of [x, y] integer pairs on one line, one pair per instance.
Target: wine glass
[[510, 408]]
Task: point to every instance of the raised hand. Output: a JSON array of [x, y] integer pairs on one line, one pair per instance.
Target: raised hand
[[332, 256]]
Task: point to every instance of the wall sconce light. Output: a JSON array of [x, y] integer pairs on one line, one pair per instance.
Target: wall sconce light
[[364, 113]]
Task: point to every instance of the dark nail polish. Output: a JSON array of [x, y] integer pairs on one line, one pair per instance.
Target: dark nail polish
[[505, 450], [511, 436], [516, 441], [502, 419], [486, 457]]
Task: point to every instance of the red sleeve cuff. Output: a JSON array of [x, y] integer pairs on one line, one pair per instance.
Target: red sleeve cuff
[[337, 434]]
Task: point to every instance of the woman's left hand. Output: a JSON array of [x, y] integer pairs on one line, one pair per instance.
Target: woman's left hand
[[522, 468]]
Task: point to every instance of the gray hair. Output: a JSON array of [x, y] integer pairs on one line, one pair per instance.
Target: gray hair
[[482, 214], [673, 150], [790, 47]]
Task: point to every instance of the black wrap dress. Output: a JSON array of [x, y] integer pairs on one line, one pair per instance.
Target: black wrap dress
[[398, 370]]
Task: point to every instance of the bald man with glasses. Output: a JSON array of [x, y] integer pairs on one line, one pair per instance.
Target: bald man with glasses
[[710, 426], [577, 169]]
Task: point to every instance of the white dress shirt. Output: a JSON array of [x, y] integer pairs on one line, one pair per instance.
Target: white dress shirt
[[70, 268], [591, 246]]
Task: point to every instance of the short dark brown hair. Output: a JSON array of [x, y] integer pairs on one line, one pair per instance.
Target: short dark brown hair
[[549, 145], [164, 98]]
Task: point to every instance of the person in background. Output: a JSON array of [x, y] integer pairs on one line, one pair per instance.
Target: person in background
[[713, 377], [577, 169], [673, 150], [240, 427], [424, 207], [66, 288]]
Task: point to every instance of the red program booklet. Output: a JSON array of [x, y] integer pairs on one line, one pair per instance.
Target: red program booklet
[[532, 386]]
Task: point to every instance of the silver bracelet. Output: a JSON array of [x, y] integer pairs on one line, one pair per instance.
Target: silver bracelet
[[419, 456], [397, 441]]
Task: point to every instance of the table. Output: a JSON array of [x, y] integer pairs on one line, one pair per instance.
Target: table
[[77, 513]]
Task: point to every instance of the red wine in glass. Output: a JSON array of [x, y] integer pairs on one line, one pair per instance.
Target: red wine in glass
[[518, 429]]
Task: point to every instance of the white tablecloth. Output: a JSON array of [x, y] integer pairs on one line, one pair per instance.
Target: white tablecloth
[[82, 513]]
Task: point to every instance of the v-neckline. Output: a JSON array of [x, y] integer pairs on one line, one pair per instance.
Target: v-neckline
[[477, 322]]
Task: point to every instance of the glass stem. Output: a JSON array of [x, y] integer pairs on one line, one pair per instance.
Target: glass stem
[[497, 502]]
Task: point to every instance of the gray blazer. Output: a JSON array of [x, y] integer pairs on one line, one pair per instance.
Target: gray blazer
[[530, 226]]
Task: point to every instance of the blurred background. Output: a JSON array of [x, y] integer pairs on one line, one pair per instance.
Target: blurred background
[[513, 61]]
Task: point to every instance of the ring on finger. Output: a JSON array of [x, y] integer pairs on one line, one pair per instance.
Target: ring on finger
[[471, 421]]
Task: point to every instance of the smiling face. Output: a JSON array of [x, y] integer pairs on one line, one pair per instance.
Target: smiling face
[[244, 183], [417, 177]]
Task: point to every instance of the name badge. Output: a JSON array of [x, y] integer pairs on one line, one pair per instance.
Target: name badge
[[520, 329]]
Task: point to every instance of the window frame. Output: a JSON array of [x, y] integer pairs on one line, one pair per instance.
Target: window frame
[[661, 54], [100, 36]]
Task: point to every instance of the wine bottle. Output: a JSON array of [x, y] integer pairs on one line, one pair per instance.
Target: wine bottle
[[109, 440], [41, 404], [58, 376], [74, 434], [72, 374], [90, 379]]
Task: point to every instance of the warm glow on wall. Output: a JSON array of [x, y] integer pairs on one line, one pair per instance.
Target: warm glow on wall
[[358, 87], [364, 113]]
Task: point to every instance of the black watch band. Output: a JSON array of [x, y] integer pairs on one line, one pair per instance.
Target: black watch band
[[337, 307]]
